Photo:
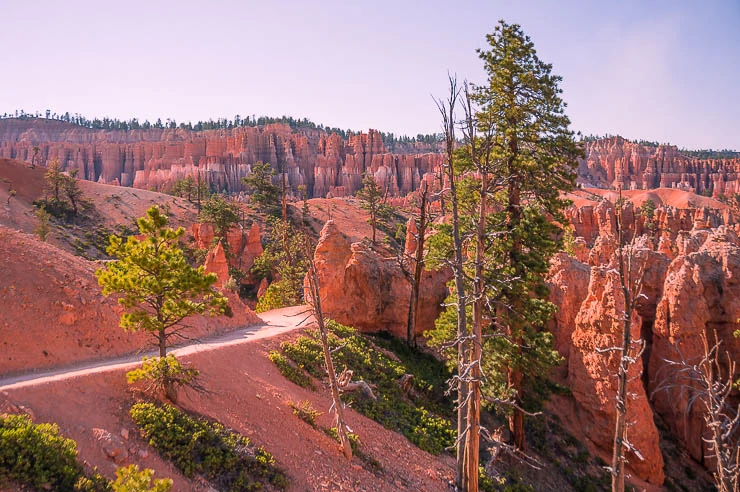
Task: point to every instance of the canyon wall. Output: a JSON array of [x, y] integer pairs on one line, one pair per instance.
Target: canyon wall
[[689, 262], [325, 163], [614, 161], [155, 158]]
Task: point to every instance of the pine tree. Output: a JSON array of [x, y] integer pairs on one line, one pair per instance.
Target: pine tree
[[222, 213], [264, 194], [373, 201], [43, 228], [158, 288], [54, 179], [71, 190], [534, 156], [518, 157]]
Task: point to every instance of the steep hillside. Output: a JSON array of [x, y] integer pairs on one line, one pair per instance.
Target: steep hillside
[[106, 209], [54, 313], [246, 393]]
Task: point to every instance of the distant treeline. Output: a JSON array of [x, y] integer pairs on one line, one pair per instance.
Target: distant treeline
[[711, 153], [389, 139]]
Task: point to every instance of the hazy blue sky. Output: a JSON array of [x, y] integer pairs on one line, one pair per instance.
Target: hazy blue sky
[[660, 70]]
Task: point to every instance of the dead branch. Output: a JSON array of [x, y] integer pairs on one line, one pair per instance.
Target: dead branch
[[344, 380]]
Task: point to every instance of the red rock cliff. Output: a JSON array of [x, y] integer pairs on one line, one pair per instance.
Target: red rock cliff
[[614, 161], [156, 158]]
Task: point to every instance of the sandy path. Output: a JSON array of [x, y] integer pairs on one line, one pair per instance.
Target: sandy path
[[276, 322]]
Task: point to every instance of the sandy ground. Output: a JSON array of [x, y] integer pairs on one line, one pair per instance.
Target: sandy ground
[[245, 392], [660, 196]]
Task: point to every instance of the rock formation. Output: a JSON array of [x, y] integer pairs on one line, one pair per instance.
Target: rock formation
[[592, 370], [244, 246], [326, 163], [701, 295], [156, 158], [614, 161], [216, 263], [361, 288], [689, 261]]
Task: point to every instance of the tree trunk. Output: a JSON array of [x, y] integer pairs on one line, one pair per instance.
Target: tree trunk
[[472, 442], [624, 353], [418, 270], [372, 223], [199, 189], [285, 197], [169, 387], [514, 376], [462, 331], [411, 321], [313, 282]]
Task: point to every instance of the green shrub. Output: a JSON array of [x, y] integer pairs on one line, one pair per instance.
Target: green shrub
[[131, 479], [305, 412], [292, 373], [307, 353], [39, 457], [36, 454], [422, 421], [199, 447], [278, 295], [157, 370]]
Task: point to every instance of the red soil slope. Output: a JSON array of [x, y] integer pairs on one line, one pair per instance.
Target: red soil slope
[[248, 394]]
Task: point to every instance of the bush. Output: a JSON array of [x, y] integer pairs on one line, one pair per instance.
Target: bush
[[197, 446], [156, 371], [38, 456], [131, 479], [305, 412], [291, 373], [278, 295], [421, 421]]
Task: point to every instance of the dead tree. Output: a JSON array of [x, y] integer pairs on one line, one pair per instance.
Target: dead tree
[[447, 111], [314, 301], [630, 350], [417, 263], [345, 383], [709, 383]]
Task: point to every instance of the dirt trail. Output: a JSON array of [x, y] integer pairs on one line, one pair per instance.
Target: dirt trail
[[276, 322]]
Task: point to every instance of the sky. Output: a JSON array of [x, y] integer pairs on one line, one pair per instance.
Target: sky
[[666, 71]]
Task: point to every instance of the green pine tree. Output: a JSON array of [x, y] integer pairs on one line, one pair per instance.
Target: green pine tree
[[158, 288], [519, 156], [222, 213], [264, 194], [373, 201]]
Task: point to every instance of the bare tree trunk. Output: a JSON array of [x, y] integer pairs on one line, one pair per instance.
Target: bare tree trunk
[[285, 197], [621, 423], [472, 443], [724, 442], [313, 285], [710, 381], [199, 189], [631, 288], [418, 268], [447, 110]]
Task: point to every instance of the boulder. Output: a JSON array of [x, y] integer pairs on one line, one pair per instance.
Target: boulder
[[361, 288]]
